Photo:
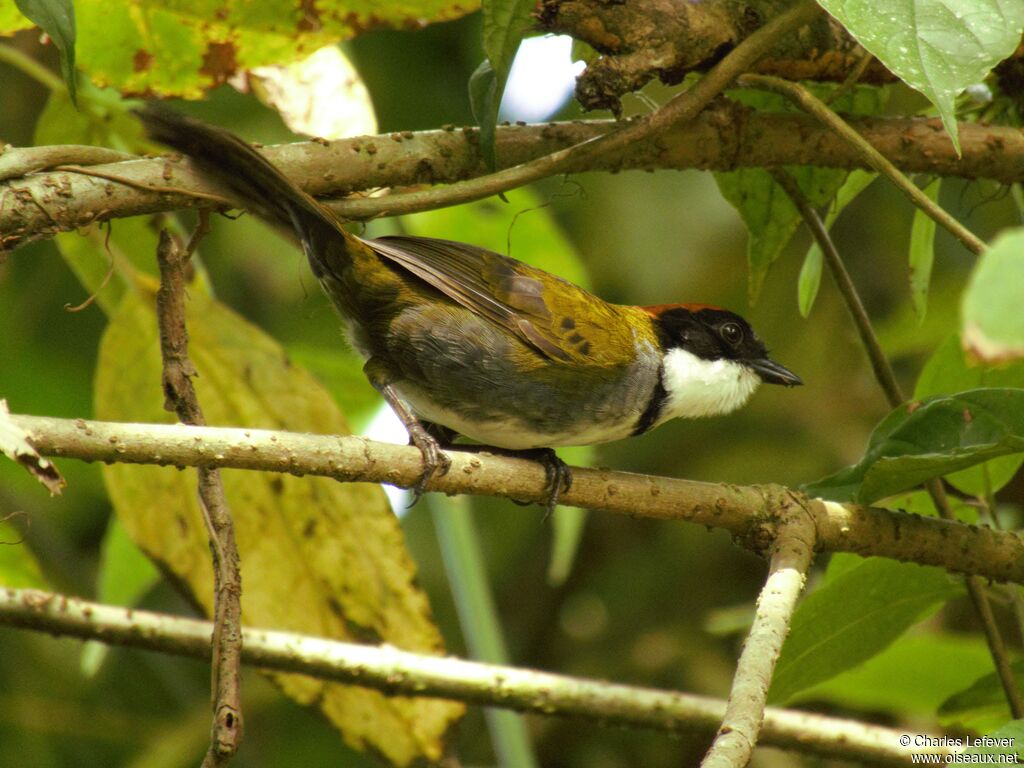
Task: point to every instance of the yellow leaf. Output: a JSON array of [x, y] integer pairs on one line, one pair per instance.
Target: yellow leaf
[[318, 556]]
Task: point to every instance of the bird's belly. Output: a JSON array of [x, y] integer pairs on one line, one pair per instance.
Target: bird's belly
[[519, 431]]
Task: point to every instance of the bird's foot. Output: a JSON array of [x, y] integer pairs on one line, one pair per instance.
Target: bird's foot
[[435, 461], [558, 476]]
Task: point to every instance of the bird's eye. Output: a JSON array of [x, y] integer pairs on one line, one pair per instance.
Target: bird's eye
[[732, 333]]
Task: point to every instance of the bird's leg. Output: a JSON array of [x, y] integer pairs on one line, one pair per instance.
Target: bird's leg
[[444, 435], [434, 459]]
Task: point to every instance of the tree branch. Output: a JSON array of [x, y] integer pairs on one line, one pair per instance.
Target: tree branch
[[745, 511], [646, 39], [792, 553], [180, 398], [725, 137], [391, 670]]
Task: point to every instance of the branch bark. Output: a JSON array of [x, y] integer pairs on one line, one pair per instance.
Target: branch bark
[[646, 39], [180, 398], [745, 511], [792, 553], [391, 670], [724, 137]]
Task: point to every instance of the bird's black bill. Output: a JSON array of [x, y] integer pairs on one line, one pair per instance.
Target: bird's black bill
[[773, 373]]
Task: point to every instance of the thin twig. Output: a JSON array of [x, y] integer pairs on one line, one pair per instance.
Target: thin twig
[[388, 669], [879, 362], [163, 189], [894, 396], [792, 553], [180, 397], [875, 159], [15, 163], [741, 510]]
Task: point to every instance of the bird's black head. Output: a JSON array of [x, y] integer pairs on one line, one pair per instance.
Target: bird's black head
[[712, 333]]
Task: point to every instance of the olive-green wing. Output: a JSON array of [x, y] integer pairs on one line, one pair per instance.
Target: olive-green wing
[[512, 295]]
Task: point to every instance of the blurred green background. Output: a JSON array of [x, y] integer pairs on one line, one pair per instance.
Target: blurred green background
[[650, 603]]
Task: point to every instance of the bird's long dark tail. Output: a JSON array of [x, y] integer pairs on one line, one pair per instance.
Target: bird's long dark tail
[[255, 184]]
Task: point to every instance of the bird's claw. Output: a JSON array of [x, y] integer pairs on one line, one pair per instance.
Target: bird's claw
[[557, 475], [558, 479], [435, 461]]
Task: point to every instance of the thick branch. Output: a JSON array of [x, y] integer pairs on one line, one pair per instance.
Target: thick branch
[[792, 553], [745, 511], [646, 39], [392, 670], [723, 138]]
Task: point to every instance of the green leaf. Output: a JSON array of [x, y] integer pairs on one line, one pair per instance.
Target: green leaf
[[506, 22], [922, 253], [57, 19], [1007, 740], [317, 556], [947, 372], [854, 616], [981, 706], [485, 100], [809, 281], [18, 566], [768, 213], [993, 324], [810, 273], [930, 439], [935, 46], [766, 210], [187, 47], [911, 677]]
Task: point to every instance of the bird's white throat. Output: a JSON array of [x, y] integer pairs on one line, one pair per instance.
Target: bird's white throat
[[697, 387]]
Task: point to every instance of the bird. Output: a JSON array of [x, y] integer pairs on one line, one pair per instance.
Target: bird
[[462, 341]]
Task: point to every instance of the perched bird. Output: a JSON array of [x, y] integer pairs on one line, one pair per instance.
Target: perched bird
[[460, 340]]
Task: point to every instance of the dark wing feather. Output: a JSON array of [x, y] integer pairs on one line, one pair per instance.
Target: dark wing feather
[[494, 286]]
